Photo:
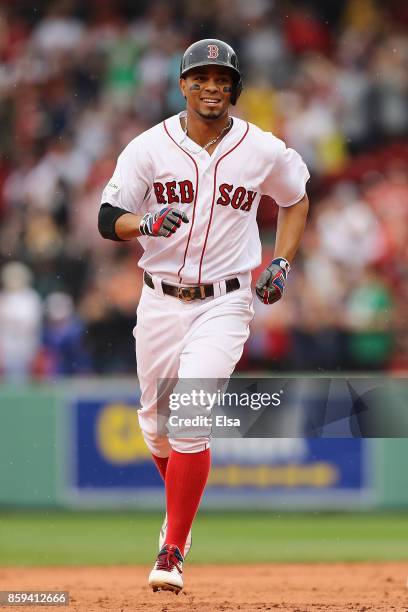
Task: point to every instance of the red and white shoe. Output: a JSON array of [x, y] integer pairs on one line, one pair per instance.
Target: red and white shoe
[[167, 573], [162, 538]]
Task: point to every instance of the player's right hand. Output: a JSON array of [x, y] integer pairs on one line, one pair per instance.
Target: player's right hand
[[164, 223]]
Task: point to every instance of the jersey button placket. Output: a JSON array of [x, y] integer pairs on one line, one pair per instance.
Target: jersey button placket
[[190, 270], [204, 209]]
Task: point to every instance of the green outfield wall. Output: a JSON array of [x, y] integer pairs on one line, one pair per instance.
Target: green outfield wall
[[28, 445], [46, 459]]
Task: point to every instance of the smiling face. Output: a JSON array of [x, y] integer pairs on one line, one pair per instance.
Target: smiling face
[[207, 90]]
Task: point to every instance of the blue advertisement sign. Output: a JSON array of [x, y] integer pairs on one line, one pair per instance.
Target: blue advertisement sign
[[109, 446], [108, 457], [291, 464]]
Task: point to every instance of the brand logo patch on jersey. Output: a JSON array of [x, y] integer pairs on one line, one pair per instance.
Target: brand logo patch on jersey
[[213, 51], [113, 186]]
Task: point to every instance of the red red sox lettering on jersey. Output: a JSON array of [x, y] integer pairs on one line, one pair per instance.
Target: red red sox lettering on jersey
[[220, 194], [182, 192]]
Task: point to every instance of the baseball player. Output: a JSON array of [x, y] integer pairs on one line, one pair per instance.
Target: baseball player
[[189, 189]]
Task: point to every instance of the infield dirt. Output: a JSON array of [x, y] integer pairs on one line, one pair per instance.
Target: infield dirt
[[293, 587]]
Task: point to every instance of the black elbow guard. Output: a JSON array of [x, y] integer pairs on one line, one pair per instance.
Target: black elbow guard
[[108, 215]]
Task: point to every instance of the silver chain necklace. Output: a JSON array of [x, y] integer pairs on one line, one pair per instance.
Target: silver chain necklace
[[213, 141]]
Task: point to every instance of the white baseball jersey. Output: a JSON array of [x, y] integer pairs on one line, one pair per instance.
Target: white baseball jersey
[[219, 193]]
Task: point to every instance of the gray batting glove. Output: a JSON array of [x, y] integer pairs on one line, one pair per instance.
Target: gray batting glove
[[164, 223], [271, 283]]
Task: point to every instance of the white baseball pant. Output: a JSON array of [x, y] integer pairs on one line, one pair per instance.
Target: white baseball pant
[[201, 339]]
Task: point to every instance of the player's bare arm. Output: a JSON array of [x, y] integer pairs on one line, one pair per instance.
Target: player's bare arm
[[291, 225], [128, 226]]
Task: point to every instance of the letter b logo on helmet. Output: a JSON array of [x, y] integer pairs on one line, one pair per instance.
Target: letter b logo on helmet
[[212, 51]]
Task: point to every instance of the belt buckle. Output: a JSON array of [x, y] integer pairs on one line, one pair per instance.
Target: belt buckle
[[186, 294]]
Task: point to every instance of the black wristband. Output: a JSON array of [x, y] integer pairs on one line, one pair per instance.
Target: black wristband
[[107, 217]]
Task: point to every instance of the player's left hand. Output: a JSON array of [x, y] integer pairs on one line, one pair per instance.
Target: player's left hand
[[271, 283]]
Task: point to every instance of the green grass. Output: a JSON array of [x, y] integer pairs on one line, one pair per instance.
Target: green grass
[[61, 538]]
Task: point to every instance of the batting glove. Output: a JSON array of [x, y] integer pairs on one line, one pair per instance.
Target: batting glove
[[271, 283], [163, 223]]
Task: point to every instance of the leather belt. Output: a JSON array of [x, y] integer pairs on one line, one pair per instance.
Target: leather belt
[[188, 294]]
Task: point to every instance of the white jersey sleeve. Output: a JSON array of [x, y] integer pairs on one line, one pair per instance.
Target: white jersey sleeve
[[286, 182], [131, 180]]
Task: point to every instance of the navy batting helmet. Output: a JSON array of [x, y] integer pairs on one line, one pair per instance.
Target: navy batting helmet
[[212, 51]]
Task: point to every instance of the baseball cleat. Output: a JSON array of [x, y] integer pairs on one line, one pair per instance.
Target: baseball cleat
[[162, 538], [167, 573]]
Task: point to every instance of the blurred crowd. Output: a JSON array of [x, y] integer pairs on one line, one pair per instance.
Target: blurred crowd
[[79, 80]]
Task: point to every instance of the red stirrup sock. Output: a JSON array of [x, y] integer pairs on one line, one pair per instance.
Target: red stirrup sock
[[186, 477], [161, 464]]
